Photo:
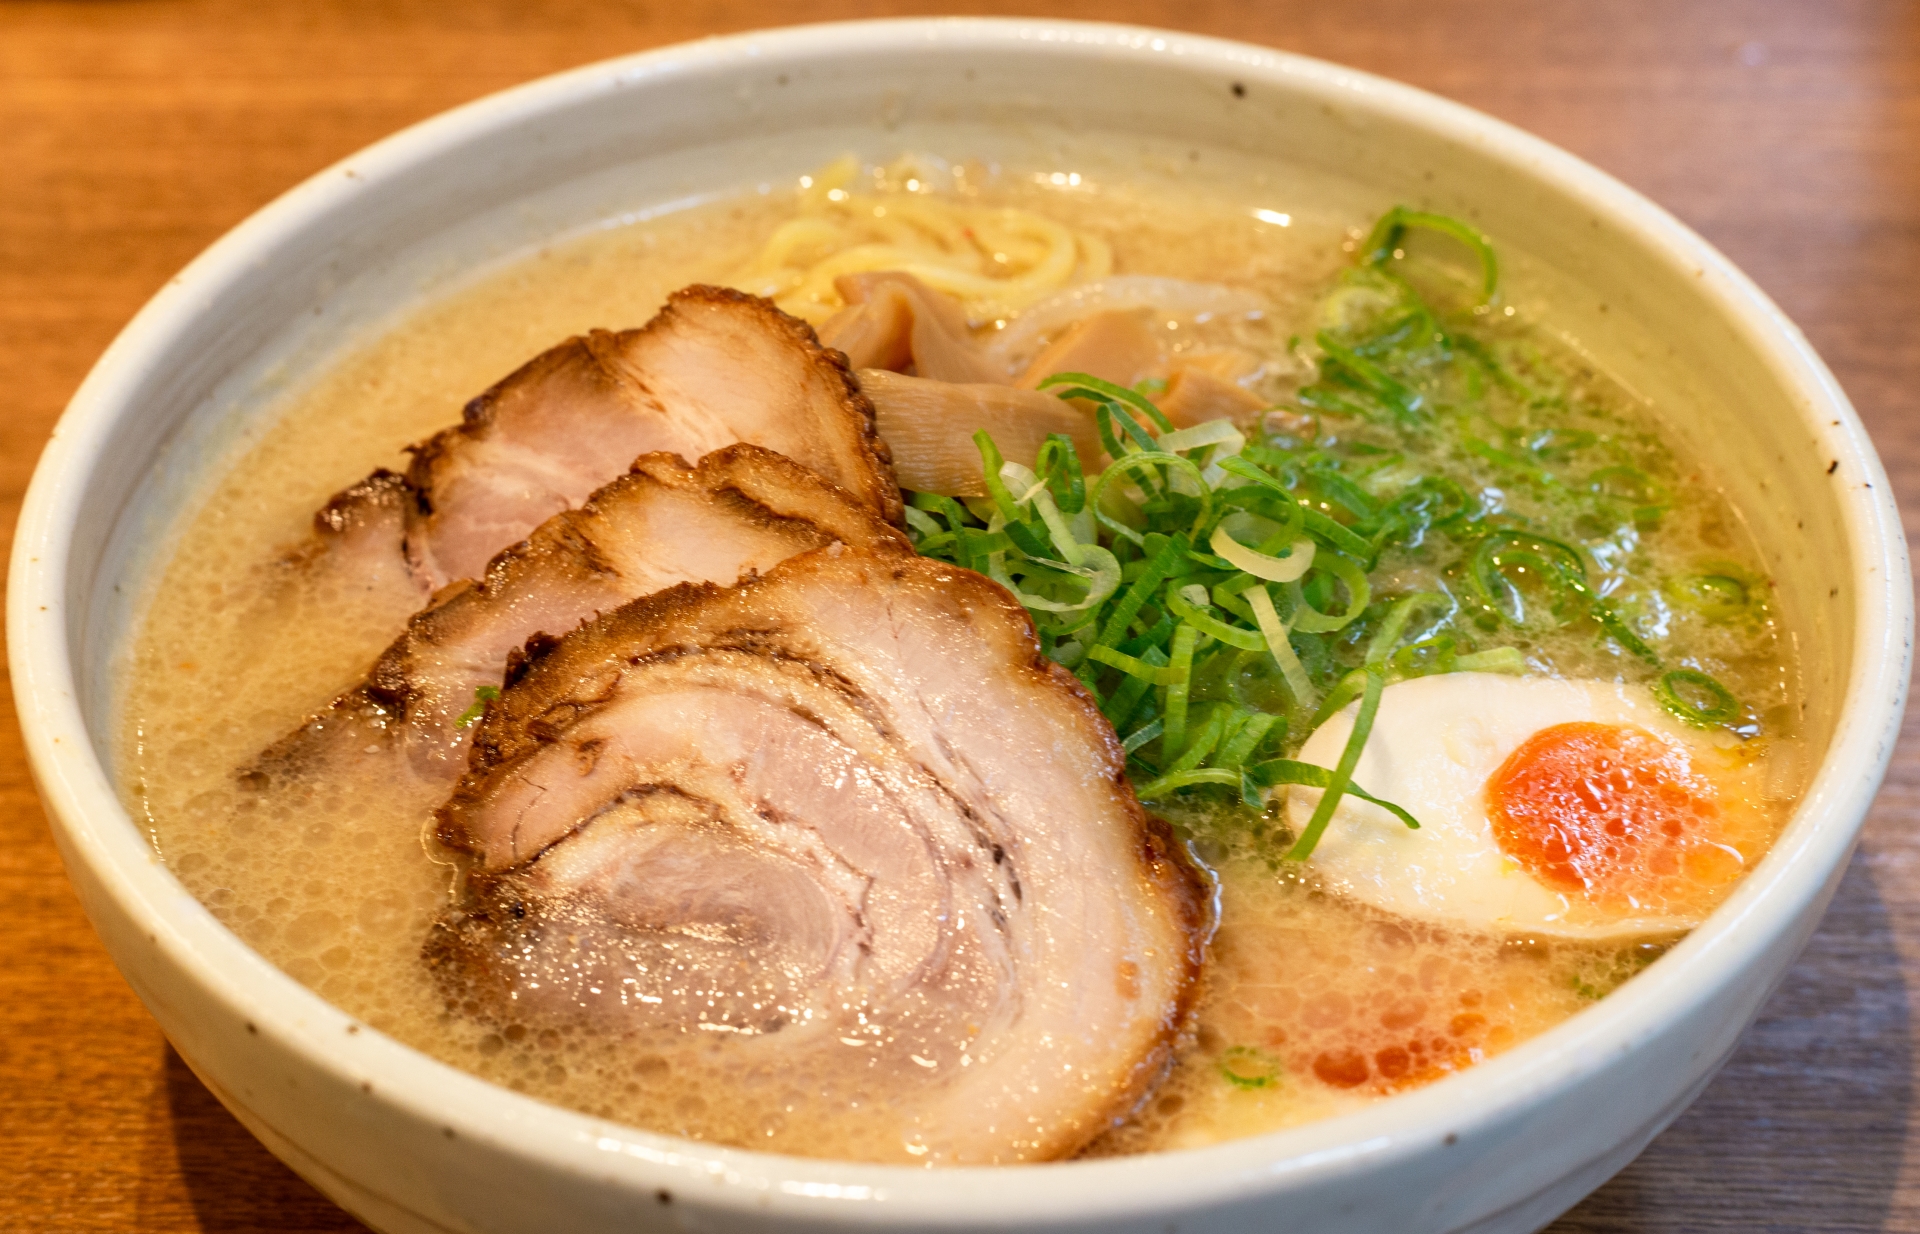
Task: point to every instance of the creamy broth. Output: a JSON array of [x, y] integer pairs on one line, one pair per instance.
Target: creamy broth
[[1310, 1006]]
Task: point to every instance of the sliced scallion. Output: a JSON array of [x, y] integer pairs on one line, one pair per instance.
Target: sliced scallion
[[1342, 776], [1679, 689], [1261, 565]]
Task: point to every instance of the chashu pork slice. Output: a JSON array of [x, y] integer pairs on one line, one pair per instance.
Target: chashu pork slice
[[842, 829], [714, 367], [740, 512], [349, 577]]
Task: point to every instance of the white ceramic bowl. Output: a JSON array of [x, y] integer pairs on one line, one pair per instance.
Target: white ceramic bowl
[[411, 1145]]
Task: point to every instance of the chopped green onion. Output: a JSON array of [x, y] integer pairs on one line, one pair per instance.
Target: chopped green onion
[[1718, 597], [1310, 619], [1348, 688], [1101, 579], [1211, 433], [1278, 646], [1165, 785], [1086, 385], [1241, 467], [1245, 1067], [1720, 705], [1202, 745], [1395, 223], [1609, 620], [1497, 660], [1260, 565], [1278, 771], [1179, 680], [1213, 587], [1014, 524], [946, 507], [1395, 625], [1142, 589], [1237, 751], [1107, 416], [480, 697], [1125, 701], [1336, 488], [1134, 462], [1135, 667], [1071, 550], [1187, 611], [1553, 564], [1343, 773], [1427, 658], [922, 522], [1524, 469], [1059, 461], [1337, 536], [1142, 735], [1343, 363]]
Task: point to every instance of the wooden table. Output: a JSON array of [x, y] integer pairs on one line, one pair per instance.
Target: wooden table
[[132, 134]]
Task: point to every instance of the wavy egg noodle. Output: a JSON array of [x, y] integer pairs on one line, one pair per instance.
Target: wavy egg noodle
[[996, 260]]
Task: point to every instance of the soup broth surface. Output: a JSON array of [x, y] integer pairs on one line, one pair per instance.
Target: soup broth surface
[[1311, 1005]]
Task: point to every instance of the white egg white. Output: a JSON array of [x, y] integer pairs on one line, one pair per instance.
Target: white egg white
[[1434, 743]]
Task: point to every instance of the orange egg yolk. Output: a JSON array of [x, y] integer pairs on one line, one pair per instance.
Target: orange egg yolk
[[1614, 812]]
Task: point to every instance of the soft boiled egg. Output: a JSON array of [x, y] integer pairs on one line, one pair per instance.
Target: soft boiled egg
[[1575, 809]]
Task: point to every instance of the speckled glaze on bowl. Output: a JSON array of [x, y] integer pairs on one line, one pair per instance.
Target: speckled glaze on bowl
[[410, 1145]]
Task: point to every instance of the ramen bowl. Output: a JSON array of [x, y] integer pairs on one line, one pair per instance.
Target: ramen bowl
[[411, 1145]]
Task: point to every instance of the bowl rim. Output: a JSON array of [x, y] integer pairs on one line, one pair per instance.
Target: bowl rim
[[98, 832]]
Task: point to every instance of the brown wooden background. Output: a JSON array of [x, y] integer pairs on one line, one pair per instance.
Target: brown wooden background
[[133, 132]]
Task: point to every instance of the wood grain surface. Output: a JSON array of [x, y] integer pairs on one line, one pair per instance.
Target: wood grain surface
[[134, 132]]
